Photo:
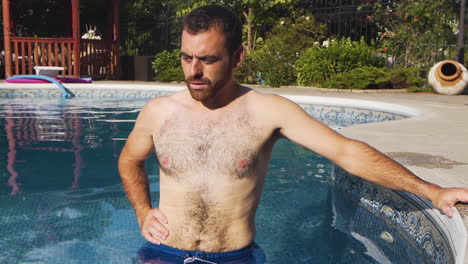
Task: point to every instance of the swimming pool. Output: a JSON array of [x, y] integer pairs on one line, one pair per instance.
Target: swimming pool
[[62, 201]]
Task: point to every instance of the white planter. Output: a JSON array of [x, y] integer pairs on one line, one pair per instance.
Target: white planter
[[50, 71], [448, 77]]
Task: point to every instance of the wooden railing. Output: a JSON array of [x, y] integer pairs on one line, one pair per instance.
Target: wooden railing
[[29, 52], [98, 58]]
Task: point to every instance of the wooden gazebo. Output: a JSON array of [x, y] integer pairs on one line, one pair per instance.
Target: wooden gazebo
[[79, 57]]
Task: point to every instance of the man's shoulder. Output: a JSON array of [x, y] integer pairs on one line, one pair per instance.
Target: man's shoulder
[[164, 102], [261, 99]]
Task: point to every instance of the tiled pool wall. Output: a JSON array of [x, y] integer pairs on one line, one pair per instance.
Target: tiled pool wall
[[411, 217], [343, 116], [83, 93], [408, 216]]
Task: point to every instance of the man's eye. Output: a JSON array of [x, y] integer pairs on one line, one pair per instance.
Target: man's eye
[[210, 61], [186, 58]]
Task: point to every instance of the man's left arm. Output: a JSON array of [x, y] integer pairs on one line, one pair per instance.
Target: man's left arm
[[358, 158]]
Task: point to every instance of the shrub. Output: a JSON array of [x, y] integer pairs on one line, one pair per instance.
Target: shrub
[[275, 63], [167, 67], [378, 78], [247, 72], [320, 62], [275, 60], [172, 74]]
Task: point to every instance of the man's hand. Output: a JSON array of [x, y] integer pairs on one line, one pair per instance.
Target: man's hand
[[446, 198], [152, 226]]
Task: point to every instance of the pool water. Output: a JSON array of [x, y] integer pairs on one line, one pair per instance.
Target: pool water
[[61, 198]]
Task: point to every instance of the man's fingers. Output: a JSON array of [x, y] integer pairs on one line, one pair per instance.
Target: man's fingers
[[153, 227], [159, 215], [448, 211], [449, 197], [464, 195], [154, 236], [151, 238], [158, 230]]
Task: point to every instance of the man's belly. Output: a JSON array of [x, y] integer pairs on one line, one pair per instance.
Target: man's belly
[[210, 237], [209, 218]]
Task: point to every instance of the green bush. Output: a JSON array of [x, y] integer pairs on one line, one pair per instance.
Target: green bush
[[172, 74], [273, 63], [167, 66], [247, 72], [321, 62], [378, 78]]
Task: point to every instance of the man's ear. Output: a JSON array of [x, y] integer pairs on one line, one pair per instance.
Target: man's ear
[[238, 56]]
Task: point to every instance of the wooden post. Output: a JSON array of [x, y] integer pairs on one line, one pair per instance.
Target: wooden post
[[6, 36], [461, 33], [116, 37], [76, 37]]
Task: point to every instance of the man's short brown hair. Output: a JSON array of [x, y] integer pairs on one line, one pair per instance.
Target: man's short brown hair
[[212, 16]]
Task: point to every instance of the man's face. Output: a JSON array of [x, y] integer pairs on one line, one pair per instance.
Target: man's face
[[207, 63]]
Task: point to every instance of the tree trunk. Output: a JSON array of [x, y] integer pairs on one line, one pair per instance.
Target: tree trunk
[[248, 17]]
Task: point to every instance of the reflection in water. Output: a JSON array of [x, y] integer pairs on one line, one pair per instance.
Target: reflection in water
[[27, 131], [60, 194], [50, 143]]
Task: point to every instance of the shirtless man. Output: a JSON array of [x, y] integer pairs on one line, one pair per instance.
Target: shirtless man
[[214, 141]]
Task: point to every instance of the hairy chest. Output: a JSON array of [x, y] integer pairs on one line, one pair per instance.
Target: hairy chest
[[229, 146]]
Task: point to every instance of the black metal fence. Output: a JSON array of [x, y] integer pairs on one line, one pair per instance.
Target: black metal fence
[[348, 18], [343, 18]]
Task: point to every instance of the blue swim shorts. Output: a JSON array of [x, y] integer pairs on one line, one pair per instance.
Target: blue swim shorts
[[162, 254]]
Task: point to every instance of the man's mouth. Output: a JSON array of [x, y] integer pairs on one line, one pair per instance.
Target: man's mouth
[[197, 85]]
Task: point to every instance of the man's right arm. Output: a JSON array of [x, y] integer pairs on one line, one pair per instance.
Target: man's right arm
[[132, 159]]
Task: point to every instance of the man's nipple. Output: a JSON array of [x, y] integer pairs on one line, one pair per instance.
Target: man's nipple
[[243, 164], [165, 160]]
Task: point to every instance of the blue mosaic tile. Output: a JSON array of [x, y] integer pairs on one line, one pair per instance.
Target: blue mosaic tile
[[84, 93], [399, 213], [337, 116]]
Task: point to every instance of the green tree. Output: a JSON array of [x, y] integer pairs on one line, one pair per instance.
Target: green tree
[[412, 29], [141, 21], [256, 13]]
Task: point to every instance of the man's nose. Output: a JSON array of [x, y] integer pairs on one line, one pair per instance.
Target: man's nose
[[197, 69]]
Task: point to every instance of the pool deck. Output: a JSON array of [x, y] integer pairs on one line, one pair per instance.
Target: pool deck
[[433, 145]]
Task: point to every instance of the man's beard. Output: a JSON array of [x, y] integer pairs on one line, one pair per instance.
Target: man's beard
[[203, 94]]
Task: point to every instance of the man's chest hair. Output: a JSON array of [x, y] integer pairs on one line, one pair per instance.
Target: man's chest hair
[[229, 146]]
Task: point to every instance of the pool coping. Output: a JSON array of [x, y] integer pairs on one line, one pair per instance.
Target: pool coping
[[435, 119]]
